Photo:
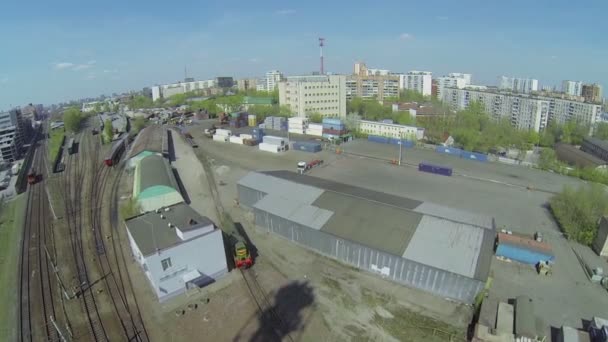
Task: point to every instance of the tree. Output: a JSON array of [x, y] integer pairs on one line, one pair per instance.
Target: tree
[[72, 119], [547, 159], [578, 211], [409, 95], [139, 102], [108, 130], [139, 123], [351, 122], [316, 117], [601, 131]]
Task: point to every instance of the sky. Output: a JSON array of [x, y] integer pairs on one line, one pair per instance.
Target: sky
[[53, 51]]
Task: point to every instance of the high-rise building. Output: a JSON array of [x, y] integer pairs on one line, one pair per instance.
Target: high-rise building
[[371, 83], [574, 88], [452, 80], [14, 131], [273, 78], [420, 81], [224, 82], [529, 112], [592, 93], [305, 95], [518, 85], [247, 84]]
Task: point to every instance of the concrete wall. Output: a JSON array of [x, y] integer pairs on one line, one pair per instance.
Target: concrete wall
[[392, 267], [205, 254]]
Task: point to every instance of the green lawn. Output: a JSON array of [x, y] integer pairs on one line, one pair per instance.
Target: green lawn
[[55, 143], [11, 227]]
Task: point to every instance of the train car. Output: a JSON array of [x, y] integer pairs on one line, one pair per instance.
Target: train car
[[242, 257], [71, 146], [32, 177], [115, 153]]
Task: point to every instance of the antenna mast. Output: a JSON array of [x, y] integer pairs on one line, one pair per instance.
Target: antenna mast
[[321, 43]]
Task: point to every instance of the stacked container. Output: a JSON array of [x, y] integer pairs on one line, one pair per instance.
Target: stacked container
[[271, 148], [273, 144], [268, 122], [279, 124], [333, 128], [238, 119], [297, 125], [222, 135], [315, 129], [236, 140], [257, 134], [252, 120]]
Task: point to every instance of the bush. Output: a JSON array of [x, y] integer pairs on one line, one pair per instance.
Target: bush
[[578, 211]]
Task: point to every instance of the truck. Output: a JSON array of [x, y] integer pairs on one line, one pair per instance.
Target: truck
[[305, 166]]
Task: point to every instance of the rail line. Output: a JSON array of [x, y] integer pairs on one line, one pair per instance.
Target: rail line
[[74, 172], [131, 323], [34, 262]]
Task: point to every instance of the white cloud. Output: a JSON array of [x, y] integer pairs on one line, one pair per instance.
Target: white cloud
[[63, 65], [441, 17], [286, 11], [406, 36], [553, 57], [91, 62], [91, 76]]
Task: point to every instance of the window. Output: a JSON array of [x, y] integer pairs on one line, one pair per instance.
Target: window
[[166, 263]]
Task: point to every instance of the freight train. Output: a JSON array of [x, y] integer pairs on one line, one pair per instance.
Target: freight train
[[113, 157]]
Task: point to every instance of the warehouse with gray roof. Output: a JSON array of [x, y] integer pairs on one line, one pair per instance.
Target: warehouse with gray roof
[[149, 141], [154, 184], [423, 245]]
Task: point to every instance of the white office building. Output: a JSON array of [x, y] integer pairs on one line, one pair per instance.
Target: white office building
[[305, 95], [452, 80], [273, 78], [177, 248], [390, 130], [517, 85], [167, 90], [574, 88], [524, 111], [420, 81]]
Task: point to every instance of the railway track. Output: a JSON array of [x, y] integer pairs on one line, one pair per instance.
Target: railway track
[[73, 203], [120, 294], [36, 283]]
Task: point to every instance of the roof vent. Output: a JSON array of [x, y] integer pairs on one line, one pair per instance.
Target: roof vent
[[167, 209], [162, 216], [192, 222], [158, 211]]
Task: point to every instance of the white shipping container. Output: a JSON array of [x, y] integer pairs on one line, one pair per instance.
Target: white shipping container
[[223, 132], [315, 126], [296, 131], [236, 140], [221, 138], [246, 136], [314, 133], [297, 119], [269, 147], [269, 139]]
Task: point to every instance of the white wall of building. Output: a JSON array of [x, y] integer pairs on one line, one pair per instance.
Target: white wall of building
[[205, 254], [519, 85], [273, 78], [572, 87], [325, 94], [452, 80], [420, 81], [390, 130]]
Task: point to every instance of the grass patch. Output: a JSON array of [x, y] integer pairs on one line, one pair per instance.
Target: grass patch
[[130, 208], [333, 284], [410, 326], [11, 225], [373, 299], [55, 142]]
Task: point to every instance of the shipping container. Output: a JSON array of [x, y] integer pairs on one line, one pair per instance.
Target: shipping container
[[332, 121], [315, 126], [271, 148], [269, 139], [223, 132], [436, 169], [524, 241], [246, 136], [305, 146], [220, 138], [334, 127], [236, 140], [522, 254], [334, 132], [377, 139], [474, 156], [449, 150], [330, 136]]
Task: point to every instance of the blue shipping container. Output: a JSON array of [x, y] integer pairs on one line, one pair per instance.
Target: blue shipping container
[[387, 121], [449, 150], [307, 146], [474, 156], [404, 143], [521, 254], [377, 139], [436, 169], [332, 121]]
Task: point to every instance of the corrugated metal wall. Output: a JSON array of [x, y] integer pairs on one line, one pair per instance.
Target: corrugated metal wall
[[396, 268], [247, 196]]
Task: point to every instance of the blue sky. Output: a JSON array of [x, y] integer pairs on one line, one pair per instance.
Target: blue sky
[[53, 51]]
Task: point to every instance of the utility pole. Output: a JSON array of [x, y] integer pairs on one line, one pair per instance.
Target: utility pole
[[63, 339]]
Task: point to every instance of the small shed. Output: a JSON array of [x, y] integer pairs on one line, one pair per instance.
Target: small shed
[[600, 244]]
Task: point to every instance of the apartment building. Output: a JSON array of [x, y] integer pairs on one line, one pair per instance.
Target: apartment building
[[361, 69], [574, 88], [273, 78], [452, 80], [420, 81], [592, 93], [13, 135], [371, 83], [524, 111], [167, 90], [517, 85], [247, 84], [305, 95]]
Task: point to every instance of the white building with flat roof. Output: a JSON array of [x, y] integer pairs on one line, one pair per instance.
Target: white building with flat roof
[[528, 112], [177, 248], [420, 81], [305, 95], [273, 78], [167, 90], [390, 130], [518, 85], [574, 88], [452, 80]]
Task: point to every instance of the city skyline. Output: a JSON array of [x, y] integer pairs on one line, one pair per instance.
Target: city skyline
[[62, 51]]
